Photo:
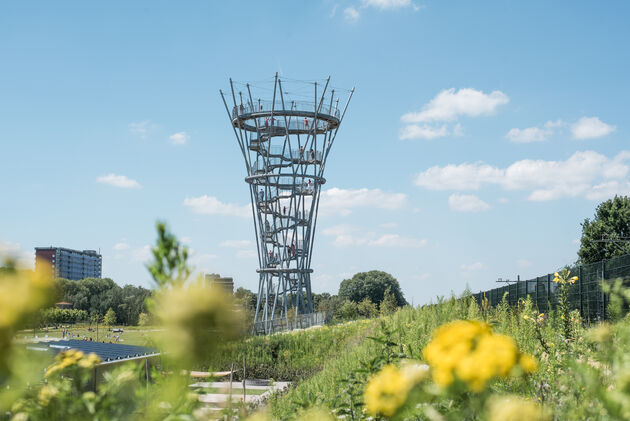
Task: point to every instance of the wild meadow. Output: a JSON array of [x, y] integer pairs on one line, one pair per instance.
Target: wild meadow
[[453, 360]]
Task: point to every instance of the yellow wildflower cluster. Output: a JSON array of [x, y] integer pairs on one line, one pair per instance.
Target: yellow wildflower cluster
[[470, 352], [46, 394], [72, 358], [539, 319], [387, 390], [513, 408], [562, 278]]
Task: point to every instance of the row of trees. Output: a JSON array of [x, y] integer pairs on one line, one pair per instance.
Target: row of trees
[[365, 295], [98, 295]]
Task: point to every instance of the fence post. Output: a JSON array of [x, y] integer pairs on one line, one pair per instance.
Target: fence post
[[580, 291], [601, 291], [548, 292]]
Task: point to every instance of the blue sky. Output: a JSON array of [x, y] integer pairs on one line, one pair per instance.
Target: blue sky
[[479, 137]]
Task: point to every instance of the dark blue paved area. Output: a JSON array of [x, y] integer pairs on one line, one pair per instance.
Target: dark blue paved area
[[107, 352]]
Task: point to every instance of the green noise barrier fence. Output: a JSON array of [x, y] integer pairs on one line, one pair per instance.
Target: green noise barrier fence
[[585, 295]]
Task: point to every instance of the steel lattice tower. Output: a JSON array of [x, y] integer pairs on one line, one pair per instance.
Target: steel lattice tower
[[285, 143]]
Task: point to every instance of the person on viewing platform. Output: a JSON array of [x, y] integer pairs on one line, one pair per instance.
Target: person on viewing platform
[[292, 249], [311, 154], [284, 210], [301, 152], [309, 183], [261, 195], [305, 122], [267, 122], [267, 226], [242, 109]]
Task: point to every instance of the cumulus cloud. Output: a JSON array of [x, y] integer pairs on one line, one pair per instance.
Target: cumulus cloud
[[179, 138], [472, 267], [236, 243], [210, 205], [590, 128], [121, 246], [351, 14], [534, 134], [348, 235], [447, 106], [458, 177], [342, 201], [22, 257], [467, 203], [121, 181], [450, 104], [141, 254], [389, 4], [584, 174], [415, 131], [395, 240]]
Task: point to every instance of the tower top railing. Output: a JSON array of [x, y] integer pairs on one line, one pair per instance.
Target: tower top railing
[[265, 106]]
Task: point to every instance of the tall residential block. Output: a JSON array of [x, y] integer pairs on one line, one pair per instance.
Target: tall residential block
[[68, 263]]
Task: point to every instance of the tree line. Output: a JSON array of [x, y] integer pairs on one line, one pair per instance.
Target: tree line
[[365, 295], [92, 298]]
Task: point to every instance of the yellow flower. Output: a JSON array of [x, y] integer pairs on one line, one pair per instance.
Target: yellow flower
[[514, 408], [387, 391], [72, 357], [470, 352], [46, 394], [528, 363]]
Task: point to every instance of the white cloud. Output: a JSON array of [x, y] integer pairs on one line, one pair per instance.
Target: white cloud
[[528, 135], [121, 246], [179, 138], [467, 203], [472, 267], [415, 131], [395, 240], [12, 250], [141, 254], [458, 177], [351, 14], [121, 181], [591, 127], [209, 205], [347, 235], [584, 174], [534, 134], [523, 263], [236, 243], [388, 4], [246, 254], [341, 201], [449, 104], [141, 128]]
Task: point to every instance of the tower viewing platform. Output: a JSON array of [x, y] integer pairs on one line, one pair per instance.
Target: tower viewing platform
[[285, 140]]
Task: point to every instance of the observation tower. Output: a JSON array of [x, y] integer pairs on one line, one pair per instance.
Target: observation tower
[[285, 130]]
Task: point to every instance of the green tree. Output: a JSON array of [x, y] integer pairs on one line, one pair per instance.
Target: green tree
[[372, 285], [110, 317], [144, 319], [169, 264], [367, 308], [610, 223], [388, 305], [348, 310]]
